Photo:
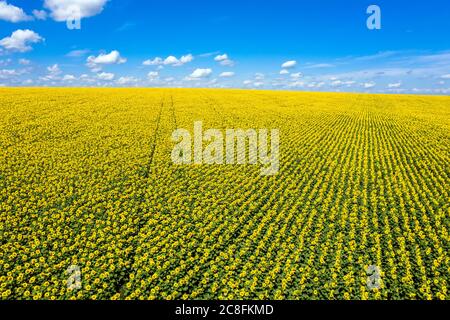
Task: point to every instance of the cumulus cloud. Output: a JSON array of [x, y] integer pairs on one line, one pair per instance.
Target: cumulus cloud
[[224, 60], [106, 76], [395, 85], [200, 73], [111, 58], [20, 40], [127, 80], [186, 59], [11, 13], [284, 71], [53, 73], [155, 62], [65, 10], [54, 69], [170, 61], [114, 57], [40, 14], [369, 85], [173, 61], [226, 74], [222, 57], [297, 75], [289, 64], [152, 75]]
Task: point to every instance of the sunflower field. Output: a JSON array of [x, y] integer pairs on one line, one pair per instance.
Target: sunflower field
[[87, 180]]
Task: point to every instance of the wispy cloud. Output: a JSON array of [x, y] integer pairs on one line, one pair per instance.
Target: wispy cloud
[[126, 26], [319, 66], [77, 53]]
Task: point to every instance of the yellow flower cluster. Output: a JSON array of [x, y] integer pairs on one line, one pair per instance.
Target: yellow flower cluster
[[87, 180]]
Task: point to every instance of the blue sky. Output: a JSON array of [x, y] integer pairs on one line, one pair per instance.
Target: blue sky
[[324, 44]]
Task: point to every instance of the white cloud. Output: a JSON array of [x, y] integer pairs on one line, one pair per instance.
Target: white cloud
[[7, 73], [247, 82], [173, 61], [94, 63], [186, 59], [40, 14], [53, 73], [338, 83], [77, 53], [289, 64], [297, 75], [20, 40], [106, 76], [170, 61], [226, 74], [200, 73], [259, 76], [126, 80], [222, 57], [62, 10], [153, 75], [284, 71], [11, 13], [69, 77], [54, 69], [446, 76], [224, 60], [319, 65], [155, 62], [297, 84], [369, 85], [379, 55], [111, 58], [395, 85], [228, 63], [24, 62], [87, 78], [94, 68]]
